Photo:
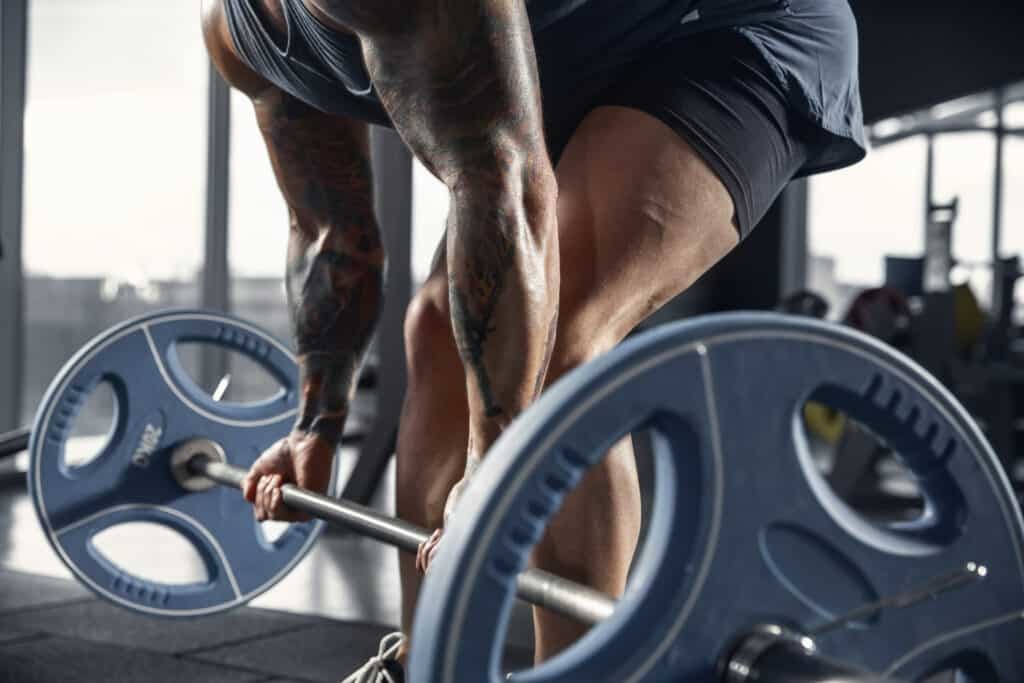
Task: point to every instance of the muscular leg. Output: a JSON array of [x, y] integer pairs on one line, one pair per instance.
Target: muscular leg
[[639, 221], [433, 430]]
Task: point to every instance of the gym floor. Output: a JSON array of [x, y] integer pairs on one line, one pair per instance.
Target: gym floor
[[319, 624]]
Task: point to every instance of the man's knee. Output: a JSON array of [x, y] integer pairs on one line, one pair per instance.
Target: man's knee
[[578, 341], [564, 361], [429, 344], [585, 330]]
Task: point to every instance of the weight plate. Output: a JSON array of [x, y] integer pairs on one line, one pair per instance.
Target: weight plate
[[158, 405], [744, 529]]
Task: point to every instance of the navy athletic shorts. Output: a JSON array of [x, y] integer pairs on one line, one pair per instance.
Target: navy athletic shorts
[[718, 93]]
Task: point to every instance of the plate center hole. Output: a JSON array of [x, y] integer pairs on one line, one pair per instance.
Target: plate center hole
[[862, 469], [152, 552], [244, 382], [93, 427]]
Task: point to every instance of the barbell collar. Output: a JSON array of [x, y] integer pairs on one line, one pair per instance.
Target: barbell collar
[[769, 653], [536, 586]]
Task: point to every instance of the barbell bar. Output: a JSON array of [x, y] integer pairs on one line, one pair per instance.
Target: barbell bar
[[536, 586], [13, 442]]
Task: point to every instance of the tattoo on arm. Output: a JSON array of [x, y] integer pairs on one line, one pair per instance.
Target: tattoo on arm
[[473, 306], [462, 89], [335, 268], [334, 305], [324, 399]]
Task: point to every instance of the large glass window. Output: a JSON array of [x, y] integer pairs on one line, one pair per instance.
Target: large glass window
[[429, 213], [965, 170], [1013, 201], [115, 143], [1012, 241], [1013, 115], [858, 215], [257, 226], [257, 246]]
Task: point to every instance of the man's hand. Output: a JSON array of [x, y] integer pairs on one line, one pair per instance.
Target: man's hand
[[427, 550], [301, 459]]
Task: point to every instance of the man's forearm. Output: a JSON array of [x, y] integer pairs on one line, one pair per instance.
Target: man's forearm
[[459, 81], [335, 264], [503, 289], [334, 292], [334, 297]]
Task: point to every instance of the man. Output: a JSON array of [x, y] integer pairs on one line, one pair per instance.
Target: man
[[600, 154]]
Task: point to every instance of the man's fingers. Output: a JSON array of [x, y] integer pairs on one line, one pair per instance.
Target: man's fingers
[[276, 508], [249, 487], [271, 462], [261, 487], [263, 497], [271, 502], [274, 504], [433, 553], [425, 553], [257, 507], [420, 567]]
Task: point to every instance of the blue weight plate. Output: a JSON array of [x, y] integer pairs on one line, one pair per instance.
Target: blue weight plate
[[158, 406], [744, 530]]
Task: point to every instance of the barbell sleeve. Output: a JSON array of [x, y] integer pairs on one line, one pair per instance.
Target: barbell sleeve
[[788, 663], [536, 586], [770, 653]]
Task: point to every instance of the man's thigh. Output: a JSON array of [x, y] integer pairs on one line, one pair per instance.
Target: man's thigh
[[641, 216], [679, 159]]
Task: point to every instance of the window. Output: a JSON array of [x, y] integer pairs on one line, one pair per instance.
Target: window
[[860, 214], [115, 144], [1013, 115], [965, 169], [429, 213], [1012, 241], [257, 227]]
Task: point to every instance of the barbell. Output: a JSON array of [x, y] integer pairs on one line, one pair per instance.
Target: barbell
[[13, 442], [753, 569]]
